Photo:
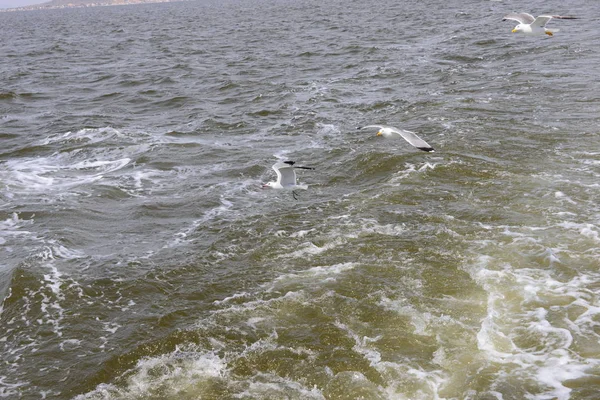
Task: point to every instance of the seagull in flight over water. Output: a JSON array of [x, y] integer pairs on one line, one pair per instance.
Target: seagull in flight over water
[[286, 177], [531, 25], [409, 136]]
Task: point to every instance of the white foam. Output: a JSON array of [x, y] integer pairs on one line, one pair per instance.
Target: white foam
[[180, 370], [231, 298], [587, 230], [328, 129], [411, 169], [540, 298], [253, 322], [56, 250], [11, 228], [310, 249], [426, 384], [182, 236], [319, 274], [87, 136], [362, 345], [273, 386], [10, 390], [420, 321], [69, 344], [50, 304], [99, 166], [55, 173], [281, 154], [110, 327], [562, 196], [301, 234], [260, 304], [369, 226]]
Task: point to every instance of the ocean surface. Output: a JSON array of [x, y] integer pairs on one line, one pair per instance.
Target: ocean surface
[[141, 259]]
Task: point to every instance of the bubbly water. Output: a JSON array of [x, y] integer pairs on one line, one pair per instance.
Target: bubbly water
[[140, 258]]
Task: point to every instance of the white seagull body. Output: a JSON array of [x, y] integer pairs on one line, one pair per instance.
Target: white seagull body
[[409, 136], [530, 25], [286, 177]]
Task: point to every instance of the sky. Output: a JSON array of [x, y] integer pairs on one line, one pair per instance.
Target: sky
[[19, 3]]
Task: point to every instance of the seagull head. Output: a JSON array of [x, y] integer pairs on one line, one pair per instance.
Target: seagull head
[[517, 28], [268, 185], [384, 132]]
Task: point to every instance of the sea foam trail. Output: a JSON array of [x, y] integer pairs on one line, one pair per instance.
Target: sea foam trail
[[144, 261], [536, 326], [69, 167]]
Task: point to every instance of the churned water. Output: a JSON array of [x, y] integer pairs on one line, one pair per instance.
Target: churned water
[[140, 257]]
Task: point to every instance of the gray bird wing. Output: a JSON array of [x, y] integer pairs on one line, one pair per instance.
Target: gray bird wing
[[371, 126], [286, 175], [541, 21], [522, 18], [413, 139]]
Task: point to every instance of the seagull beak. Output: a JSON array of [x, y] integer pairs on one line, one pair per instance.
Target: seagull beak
[[514, 30], [379, 133]]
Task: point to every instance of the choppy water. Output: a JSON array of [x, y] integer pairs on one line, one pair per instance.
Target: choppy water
[[140, 258]]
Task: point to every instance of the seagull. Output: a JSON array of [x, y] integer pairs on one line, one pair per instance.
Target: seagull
[[286, 177], [409, 136], [530, 25]]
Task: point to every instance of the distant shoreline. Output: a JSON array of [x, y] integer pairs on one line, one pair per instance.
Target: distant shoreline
[[51, 5]]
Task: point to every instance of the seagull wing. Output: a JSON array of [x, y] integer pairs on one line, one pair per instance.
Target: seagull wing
[[286, 176], [564, 17], [413, 139], [276, 169], [541, 21], [370, 126], [522, 18]]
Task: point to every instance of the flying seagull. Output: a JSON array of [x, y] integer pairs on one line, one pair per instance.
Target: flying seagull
[[531, 25], [409, 136], [286, 177]]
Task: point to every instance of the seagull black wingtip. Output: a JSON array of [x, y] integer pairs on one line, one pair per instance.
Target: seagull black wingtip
[[427, 149]]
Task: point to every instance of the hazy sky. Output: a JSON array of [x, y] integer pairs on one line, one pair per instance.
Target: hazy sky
[[19, 3]]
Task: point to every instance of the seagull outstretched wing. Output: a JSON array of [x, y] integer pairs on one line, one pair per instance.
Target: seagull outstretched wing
[[522, 18], [286, 176], [409, 136]]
